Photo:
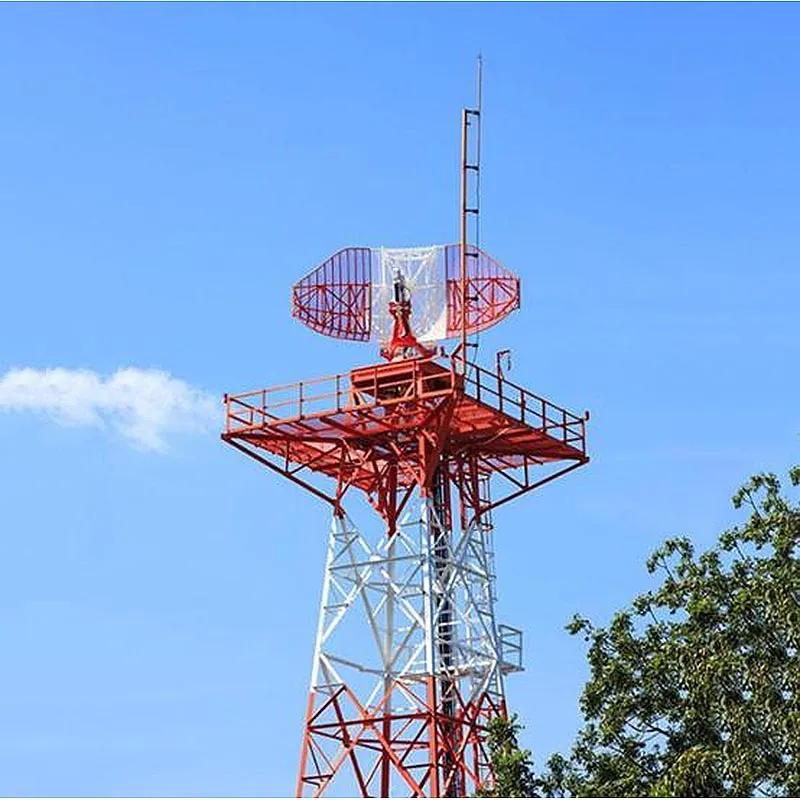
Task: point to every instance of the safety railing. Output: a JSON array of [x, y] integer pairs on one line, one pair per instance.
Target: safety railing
[[510, 648], [390, 383], [360, 389], [290, 401], [499, 393]]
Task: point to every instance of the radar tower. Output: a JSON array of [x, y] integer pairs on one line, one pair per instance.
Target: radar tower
[[409, 661]]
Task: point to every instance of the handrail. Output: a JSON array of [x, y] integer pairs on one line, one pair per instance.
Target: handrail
[[525, 392], [340, 393], [492, 389]]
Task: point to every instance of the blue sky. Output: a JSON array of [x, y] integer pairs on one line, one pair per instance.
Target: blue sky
[[167, 172]]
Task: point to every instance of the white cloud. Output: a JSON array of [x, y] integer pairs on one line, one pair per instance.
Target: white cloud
[[144, 405]]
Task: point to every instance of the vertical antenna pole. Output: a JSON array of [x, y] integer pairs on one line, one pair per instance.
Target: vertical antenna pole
[[463, 248], [470, 161], [479, 131], [480, 81]]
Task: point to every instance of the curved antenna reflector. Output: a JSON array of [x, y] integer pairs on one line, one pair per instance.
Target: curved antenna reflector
[[344, 297], [335, 299], [492, 290]]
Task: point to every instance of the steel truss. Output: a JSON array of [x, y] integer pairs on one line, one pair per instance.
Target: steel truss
[[408, 715], [421, 442]]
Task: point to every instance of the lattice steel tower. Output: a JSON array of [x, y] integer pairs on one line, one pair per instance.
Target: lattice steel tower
[[409, 660]]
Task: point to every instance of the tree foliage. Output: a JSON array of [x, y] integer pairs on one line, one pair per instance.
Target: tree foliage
[[512, 767], [695, 689]]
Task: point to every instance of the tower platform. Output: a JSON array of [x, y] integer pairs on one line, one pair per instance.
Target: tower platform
[[352, 426]]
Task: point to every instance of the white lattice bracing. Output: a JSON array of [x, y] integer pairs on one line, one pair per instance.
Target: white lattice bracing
[[396, 611], [398, 588]]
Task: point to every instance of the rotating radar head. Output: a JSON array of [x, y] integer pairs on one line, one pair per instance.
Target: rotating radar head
[[366, 294]]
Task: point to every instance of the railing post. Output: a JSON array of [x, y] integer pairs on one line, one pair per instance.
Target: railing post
[[544, 414], [500, 391], [300, 400], [564, 424]]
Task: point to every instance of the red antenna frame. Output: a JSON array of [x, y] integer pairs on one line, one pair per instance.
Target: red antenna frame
[[336, 298]]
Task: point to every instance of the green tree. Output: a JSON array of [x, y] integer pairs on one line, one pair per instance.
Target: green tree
[[512, 767], [695, 689]]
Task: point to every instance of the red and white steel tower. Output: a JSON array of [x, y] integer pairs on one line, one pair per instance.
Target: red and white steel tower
[[409, 660]]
